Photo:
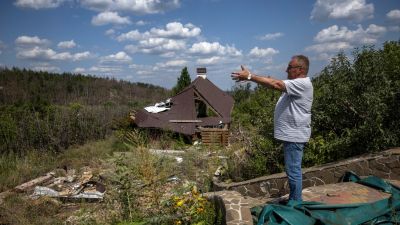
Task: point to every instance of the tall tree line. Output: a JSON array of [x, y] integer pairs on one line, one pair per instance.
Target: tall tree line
[[21, 85]]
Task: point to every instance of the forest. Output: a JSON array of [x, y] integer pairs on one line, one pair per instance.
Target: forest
[[49, 112]]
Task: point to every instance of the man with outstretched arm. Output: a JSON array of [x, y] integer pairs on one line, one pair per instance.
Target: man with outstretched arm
[[292, 116]]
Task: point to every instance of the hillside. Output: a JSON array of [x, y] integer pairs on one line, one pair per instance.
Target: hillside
[[19, 86], [49, 111]]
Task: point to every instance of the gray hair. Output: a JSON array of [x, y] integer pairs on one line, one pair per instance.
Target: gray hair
[[303, 61]]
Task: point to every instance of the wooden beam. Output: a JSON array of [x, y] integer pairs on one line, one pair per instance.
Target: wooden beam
[[30, 184]]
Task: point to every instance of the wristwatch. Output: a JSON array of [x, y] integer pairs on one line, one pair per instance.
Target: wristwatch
[[249, 76]]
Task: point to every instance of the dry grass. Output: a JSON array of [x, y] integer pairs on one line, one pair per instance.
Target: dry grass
[[15, 169], [136, 182]]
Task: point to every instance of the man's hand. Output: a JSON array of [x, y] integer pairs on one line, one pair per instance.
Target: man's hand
[[240, 75]]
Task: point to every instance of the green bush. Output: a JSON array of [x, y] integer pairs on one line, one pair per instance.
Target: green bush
[[355, 111], [356, 104]]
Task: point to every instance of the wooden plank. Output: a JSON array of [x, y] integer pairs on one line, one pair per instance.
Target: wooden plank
[[215, 136], [212, 129], [30, 184]]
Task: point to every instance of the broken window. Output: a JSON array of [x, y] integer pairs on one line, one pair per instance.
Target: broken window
[[203, 110]]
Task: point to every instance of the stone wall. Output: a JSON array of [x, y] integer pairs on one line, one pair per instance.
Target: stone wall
[[384, 164]]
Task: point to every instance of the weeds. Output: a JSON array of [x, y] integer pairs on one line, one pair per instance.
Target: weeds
[[139, 190], [16, 169]]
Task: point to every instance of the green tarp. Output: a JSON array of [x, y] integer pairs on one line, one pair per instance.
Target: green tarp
[[385, 211]]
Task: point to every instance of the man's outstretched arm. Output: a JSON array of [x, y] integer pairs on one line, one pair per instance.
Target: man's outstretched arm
[[245, 75]]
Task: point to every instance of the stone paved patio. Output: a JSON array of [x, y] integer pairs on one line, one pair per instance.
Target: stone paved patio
[[237, 206], [320, 185]]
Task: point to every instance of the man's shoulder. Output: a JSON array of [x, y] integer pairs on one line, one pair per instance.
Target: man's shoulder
[[302, 81]]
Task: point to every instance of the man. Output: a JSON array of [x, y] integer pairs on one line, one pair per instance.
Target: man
[[292, 117]]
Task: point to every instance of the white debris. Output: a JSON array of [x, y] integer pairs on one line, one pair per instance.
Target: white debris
[[179, 159], [159, 107]]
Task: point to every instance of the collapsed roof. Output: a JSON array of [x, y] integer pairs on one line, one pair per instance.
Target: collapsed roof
[[201, 104]]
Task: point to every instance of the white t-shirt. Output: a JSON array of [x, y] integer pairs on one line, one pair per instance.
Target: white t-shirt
[[292, 117]]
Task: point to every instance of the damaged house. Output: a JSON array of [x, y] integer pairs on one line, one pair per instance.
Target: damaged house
[[201, 110]]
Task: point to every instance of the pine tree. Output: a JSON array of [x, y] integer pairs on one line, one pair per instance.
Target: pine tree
[[183, 81]]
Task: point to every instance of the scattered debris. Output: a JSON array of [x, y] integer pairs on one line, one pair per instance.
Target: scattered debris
[[220, 171], [166, 151], [30, 184], [159, 107], [179, 159], [173, 178], [169, 153], [67, 188]]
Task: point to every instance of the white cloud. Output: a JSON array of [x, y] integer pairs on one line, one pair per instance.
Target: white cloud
[[168, 54], [173, 63], [69, 56], [343, 34], [329, 47], [141, 23], [394, 15], [97, 69], [120, 57], [262, 52], [104, 69], [48, 54], [135, 6], [324, 57], [67, 44], [272, 36], [79, 70], [342, 9], [131, 49], [163, 46], [81, 56], [176, 30], [133, 35], [166, 42], [39, 4], [110, 32], [209, 61], [333, 39], [110, 18], [144, 72], [206, 48], [36, 53], [173, 30], [29, 41], [141, 69], [46, 67]]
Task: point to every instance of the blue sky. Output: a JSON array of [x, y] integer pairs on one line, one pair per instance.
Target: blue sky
[[151, 41]]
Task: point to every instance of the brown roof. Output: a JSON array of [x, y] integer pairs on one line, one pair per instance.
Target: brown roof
[[183, 108]]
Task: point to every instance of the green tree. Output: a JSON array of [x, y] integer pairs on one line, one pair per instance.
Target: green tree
[[356, 105], [183, 81], [355, 111]]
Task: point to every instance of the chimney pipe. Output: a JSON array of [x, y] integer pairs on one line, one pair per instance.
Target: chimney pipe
[[202, 72]]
